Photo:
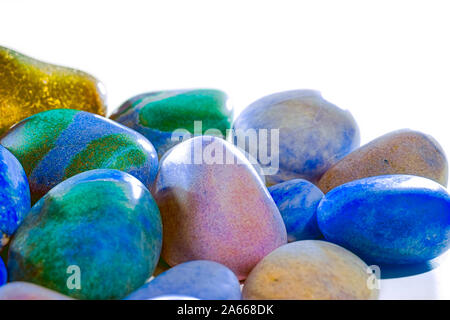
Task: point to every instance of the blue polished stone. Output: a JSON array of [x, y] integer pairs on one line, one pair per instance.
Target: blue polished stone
[[201, 279], [392, 219], [14, 193], [3, 273], [297, 201], [313, 134]]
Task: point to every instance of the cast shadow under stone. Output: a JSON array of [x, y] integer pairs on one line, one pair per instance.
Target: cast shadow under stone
[[399, 271]]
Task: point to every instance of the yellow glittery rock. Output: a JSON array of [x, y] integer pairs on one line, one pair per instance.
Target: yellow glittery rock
[[29, 86]]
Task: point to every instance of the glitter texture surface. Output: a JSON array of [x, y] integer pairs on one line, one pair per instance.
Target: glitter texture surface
[[29, 86]]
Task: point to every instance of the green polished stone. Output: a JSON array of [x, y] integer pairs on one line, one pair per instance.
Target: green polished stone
[[157, 114]]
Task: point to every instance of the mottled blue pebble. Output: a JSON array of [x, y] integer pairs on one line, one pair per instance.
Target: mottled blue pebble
[[297, 201], [312, 133], [14, 193], [201, 279], [392, 219]]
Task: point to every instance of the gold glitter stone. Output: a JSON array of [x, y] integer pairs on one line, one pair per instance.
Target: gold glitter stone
[[29, 86]]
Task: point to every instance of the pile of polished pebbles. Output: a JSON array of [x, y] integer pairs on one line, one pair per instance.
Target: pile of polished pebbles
[[98, 208]]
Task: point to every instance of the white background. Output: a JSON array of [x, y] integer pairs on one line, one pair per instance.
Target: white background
[[388, 62]]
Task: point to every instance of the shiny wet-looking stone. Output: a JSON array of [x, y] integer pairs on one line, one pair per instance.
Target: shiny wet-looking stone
[[215, 211], [157, 114], [57, 144]]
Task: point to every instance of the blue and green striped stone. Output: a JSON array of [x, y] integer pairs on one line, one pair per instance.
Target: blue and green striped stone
[[57, 144]]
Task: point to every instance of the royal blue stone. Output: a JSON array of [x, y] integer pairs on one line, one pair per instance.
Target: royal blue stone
[[297, 201], [392, 219], [3, 273], [14, 192], [201, 279]]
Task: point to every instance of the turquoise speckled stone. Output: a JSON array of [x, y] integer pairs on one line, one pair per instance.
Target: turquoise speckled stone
[[157, 114], [201, 279], [392, 219], [57, 144], [103, 222], [14, 194], [313, 133], [297, 201]]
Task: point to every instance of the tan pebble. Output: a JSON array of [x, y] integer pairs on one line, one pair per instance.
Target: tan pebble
[[399, 152], [310, 270]]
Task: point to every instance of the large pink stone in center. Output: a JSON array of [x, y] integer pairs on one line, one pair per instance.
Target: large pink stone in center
[[215, 207]]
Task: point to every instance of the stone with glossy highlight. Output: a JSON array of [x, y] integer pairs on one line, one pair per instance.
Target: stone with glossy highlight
[[297, 201], [215, 211], [201, 279], [313, 133], [102, 225], [14, 194], [58, 144], [157, 114], [393, 219]]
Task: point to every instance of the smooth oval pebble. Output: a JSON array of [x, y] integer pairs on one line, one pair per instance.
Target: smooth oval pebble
[[30, 86], [19, 290], [57, 144], [394, 219], [201, 279], [399, 152], [309, 270], [215, 211], [14, 194], [102, 225], [157, 114], [313, 133], [297, 201]]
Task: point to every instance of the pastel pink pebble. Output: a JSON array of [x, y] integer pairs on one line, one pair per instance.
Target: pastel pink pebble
[[215, 207]]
